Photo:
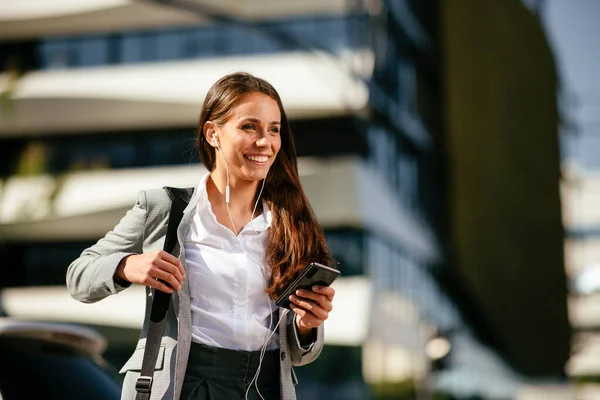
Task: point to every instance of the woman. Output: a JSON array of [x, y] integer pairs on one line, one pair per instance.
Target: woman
[[246, 233]]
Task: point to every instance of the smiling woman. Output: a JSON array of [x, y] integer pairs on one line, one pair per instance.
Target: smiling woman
[[247, 117], [225, 338], [250, 138]]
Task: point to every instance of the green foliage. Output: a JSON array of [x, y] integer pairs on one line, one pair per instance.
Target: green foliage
[[401, 390], [12, 76]]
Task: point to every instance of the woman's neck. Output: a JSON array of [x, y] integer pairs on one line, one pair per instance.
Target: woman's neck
[[241, 193]]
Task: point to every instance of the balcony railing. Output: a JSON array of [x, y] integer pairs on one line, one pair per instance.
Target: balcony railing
[[333, 33]]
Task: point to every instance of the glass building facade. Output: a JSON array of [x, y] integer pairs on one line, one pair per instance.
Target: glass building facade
[[397, 140], [331, 33]]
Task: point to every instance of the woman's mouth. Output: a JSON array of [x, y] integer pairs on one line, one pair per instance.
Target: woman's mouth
[[257, 159]]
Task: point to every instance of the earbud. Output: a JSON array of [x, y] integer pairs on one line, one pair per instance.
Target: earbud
[[214, 135]]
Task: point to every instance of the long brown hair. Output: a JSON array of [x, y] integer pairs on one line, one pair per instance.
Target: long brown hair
[[295, 239]]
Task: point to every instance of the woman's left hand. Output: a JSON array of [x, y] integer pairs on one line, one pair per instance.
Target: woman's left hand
[[312, 307]]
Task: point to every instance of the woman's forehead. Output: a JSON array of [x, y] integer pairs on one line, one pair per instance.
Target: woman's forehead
[[257, 106]]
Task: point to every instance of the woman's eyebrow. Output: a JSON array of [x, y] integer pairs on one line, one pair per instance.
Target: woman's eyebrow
[[258, 121]]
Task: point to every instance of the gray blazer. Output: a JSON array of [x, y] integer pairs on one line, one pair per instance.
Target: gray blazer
[[143, 229]]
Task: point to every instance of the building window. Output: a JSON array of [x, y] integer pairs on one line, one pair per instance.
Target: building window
[[199, 42], [333, 34], [131, 49], [324, 379], [397, 163], [347, 248], [394, 270], [40, 264], [58, 154], [55, 54], [93, 51]]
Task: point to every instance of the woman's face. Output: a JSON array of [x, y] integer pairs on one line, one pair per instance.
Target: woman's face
[[250, 139]]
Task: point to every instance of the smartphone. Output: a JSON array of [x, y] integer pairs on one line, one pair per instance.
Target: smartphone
[[313, 274]]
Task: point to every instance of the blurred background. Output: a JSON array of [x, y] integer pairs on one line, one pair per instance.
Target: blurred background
[[449, 149]]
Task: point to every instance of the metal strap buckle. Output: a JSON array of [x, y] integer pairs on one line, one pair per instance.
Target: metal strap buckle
[[143, 384]]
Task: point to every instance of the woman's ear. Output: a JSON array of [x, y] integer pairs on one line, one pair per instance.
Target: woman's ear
[[209, 130]]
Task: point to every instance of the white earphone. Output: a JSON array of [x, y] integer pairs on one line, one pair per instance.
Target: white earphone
[[264, 347], [216, 142]]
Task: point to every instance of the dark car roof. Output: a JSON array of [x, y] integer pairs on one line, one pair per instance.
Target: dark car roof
[[79, 337]]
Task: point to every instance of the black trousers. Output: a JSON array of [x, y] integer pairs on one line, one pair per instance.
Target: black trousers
[[221, 374]]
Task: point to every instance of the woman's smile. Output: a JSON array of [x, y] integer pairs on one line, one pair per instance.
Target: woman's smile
[[256, 159]]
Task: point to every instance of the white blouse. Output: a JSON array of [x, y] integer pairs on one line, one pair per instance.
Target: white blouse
[[228, 275]]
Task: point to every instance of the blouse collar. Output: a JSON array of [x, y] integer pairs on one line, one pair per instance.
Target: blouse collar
[[259, 224]]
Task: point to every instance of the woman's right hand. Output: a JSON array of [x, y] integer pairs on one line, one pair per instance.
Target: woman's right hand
[[157, 269]]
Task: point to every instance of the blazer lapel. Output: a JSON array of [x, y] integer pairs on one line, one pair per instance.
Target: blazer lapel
[[184, 314]]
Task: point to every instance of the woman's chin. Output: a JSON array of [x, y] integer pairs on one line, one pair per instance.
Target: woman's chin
[[256, 173], [254, 176]]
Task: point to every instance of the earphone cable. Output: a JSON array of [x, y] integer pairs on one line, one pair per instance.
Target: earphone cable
[[261, 263]]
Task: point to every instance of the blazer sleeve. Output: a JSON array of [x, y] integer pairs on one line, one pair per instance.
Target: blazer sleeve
[[90, 277], [303, 355]]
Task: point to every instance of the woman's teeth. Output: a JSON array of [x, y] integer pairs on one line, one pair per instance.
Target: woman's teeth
[[257, 158]]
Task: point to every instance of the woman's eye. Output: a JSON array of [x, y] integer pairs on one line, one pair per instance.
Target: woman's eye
[[248, 126], [275, 130]]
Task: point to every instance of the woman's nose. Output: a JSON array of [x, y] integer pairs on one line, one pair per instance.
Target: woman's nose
[[262, 141]]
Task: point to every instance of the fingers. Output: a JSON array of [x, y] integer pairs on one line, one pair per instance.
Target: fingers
[[322, 299], [306, 318], [325, 290], [312, 306], [165, 277], [157, 269], [167, 268], [160, 285], [171, 259], [170, 269]]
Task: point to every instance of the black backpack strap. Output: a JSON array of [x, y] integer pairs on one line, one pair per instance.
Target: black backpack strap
[[161, 300]]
